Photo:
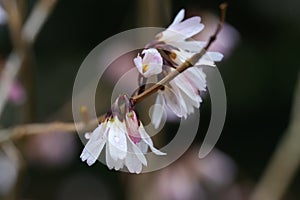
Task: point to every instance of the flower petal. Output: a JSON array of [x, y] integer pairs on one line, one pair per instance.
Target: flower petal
[[137, 151], [179, 17], [214, 56], [173, 100], [117, 140], [132, 163], [147, 139], [95, 145], [110, 162], [185, 86], [138, 63], [188, 27], [151, 63], [158, 110]]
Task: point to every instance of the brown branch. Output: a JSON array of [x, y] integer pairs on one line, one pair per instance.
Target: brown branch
[[32, 129], [22, 37], [188, 63], [286, 160], [40, 128]]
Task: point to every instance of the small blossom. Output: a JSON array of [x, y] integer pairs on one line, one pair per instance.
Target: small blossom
[[182, 94], [125, 138], [150, 64]]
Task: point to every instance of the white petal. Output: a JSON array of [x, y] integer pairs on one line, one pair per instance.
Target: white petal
[[214, 56], [147, 139], [185, 86], [190, 46], [117, 140], [197, 77], [136, 151], [133, 164], [209, 59], [95, 145], [143, 146], [138, 63], [153, 62], [183, 30], [179, 17], [158, 110], [173, 101], [111, 163]]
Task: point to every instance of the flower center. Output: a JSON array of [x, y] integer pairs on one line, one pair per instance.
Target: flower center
[[145, 68]]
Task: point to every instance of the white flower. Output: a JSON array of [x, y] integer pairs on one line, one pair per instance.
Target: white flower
[[126, 143], [182, 95], [180, 30], [150, 64]]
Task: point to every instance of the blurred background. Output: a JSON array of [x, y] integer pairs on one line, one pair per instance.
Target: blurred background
[[260, 68]]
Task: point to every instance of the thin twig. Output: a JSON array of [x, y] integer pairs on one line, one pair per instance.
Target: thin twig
[[28, 35], [188, 63], [39, 128], [285, 161]]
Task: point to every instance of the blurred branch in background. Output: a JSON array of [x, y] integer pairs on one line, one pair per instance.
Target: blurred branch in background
[[22, 39], [33, 129], [22, 34], [285, 161]]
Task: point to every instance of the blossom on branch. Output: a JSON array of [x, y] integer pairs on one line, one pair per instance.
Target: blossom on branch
[[175, 46], [124, 136]]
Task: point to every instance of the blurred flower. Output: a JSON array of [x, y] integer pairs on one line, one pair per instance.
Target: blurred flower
[[8, 176], [151, 63], [51, 149], [3, 17], [189, 178], [125, 138], [228, 37], [17, 94]]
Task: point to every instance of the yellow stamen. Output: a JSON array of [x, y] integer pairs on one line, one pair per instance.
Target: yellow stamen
[[145, 68], [173, 56]]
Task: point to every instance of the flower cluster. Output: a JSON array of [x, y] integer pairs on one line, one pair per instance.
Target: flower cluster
[[164, 54], [124, 136], [122, 132]]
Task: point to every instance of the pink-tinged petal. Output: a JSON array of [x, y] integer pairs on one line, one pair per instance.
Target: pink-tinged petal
[[132, 163], [117, 140], [138, 63], [179, 17], [148, 140], [185, 86], [158, 110], [180, 100], [188, 27], [150, 64], [181, 31], [196, 77], [132, 125], [174, 101], [95, 145]]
